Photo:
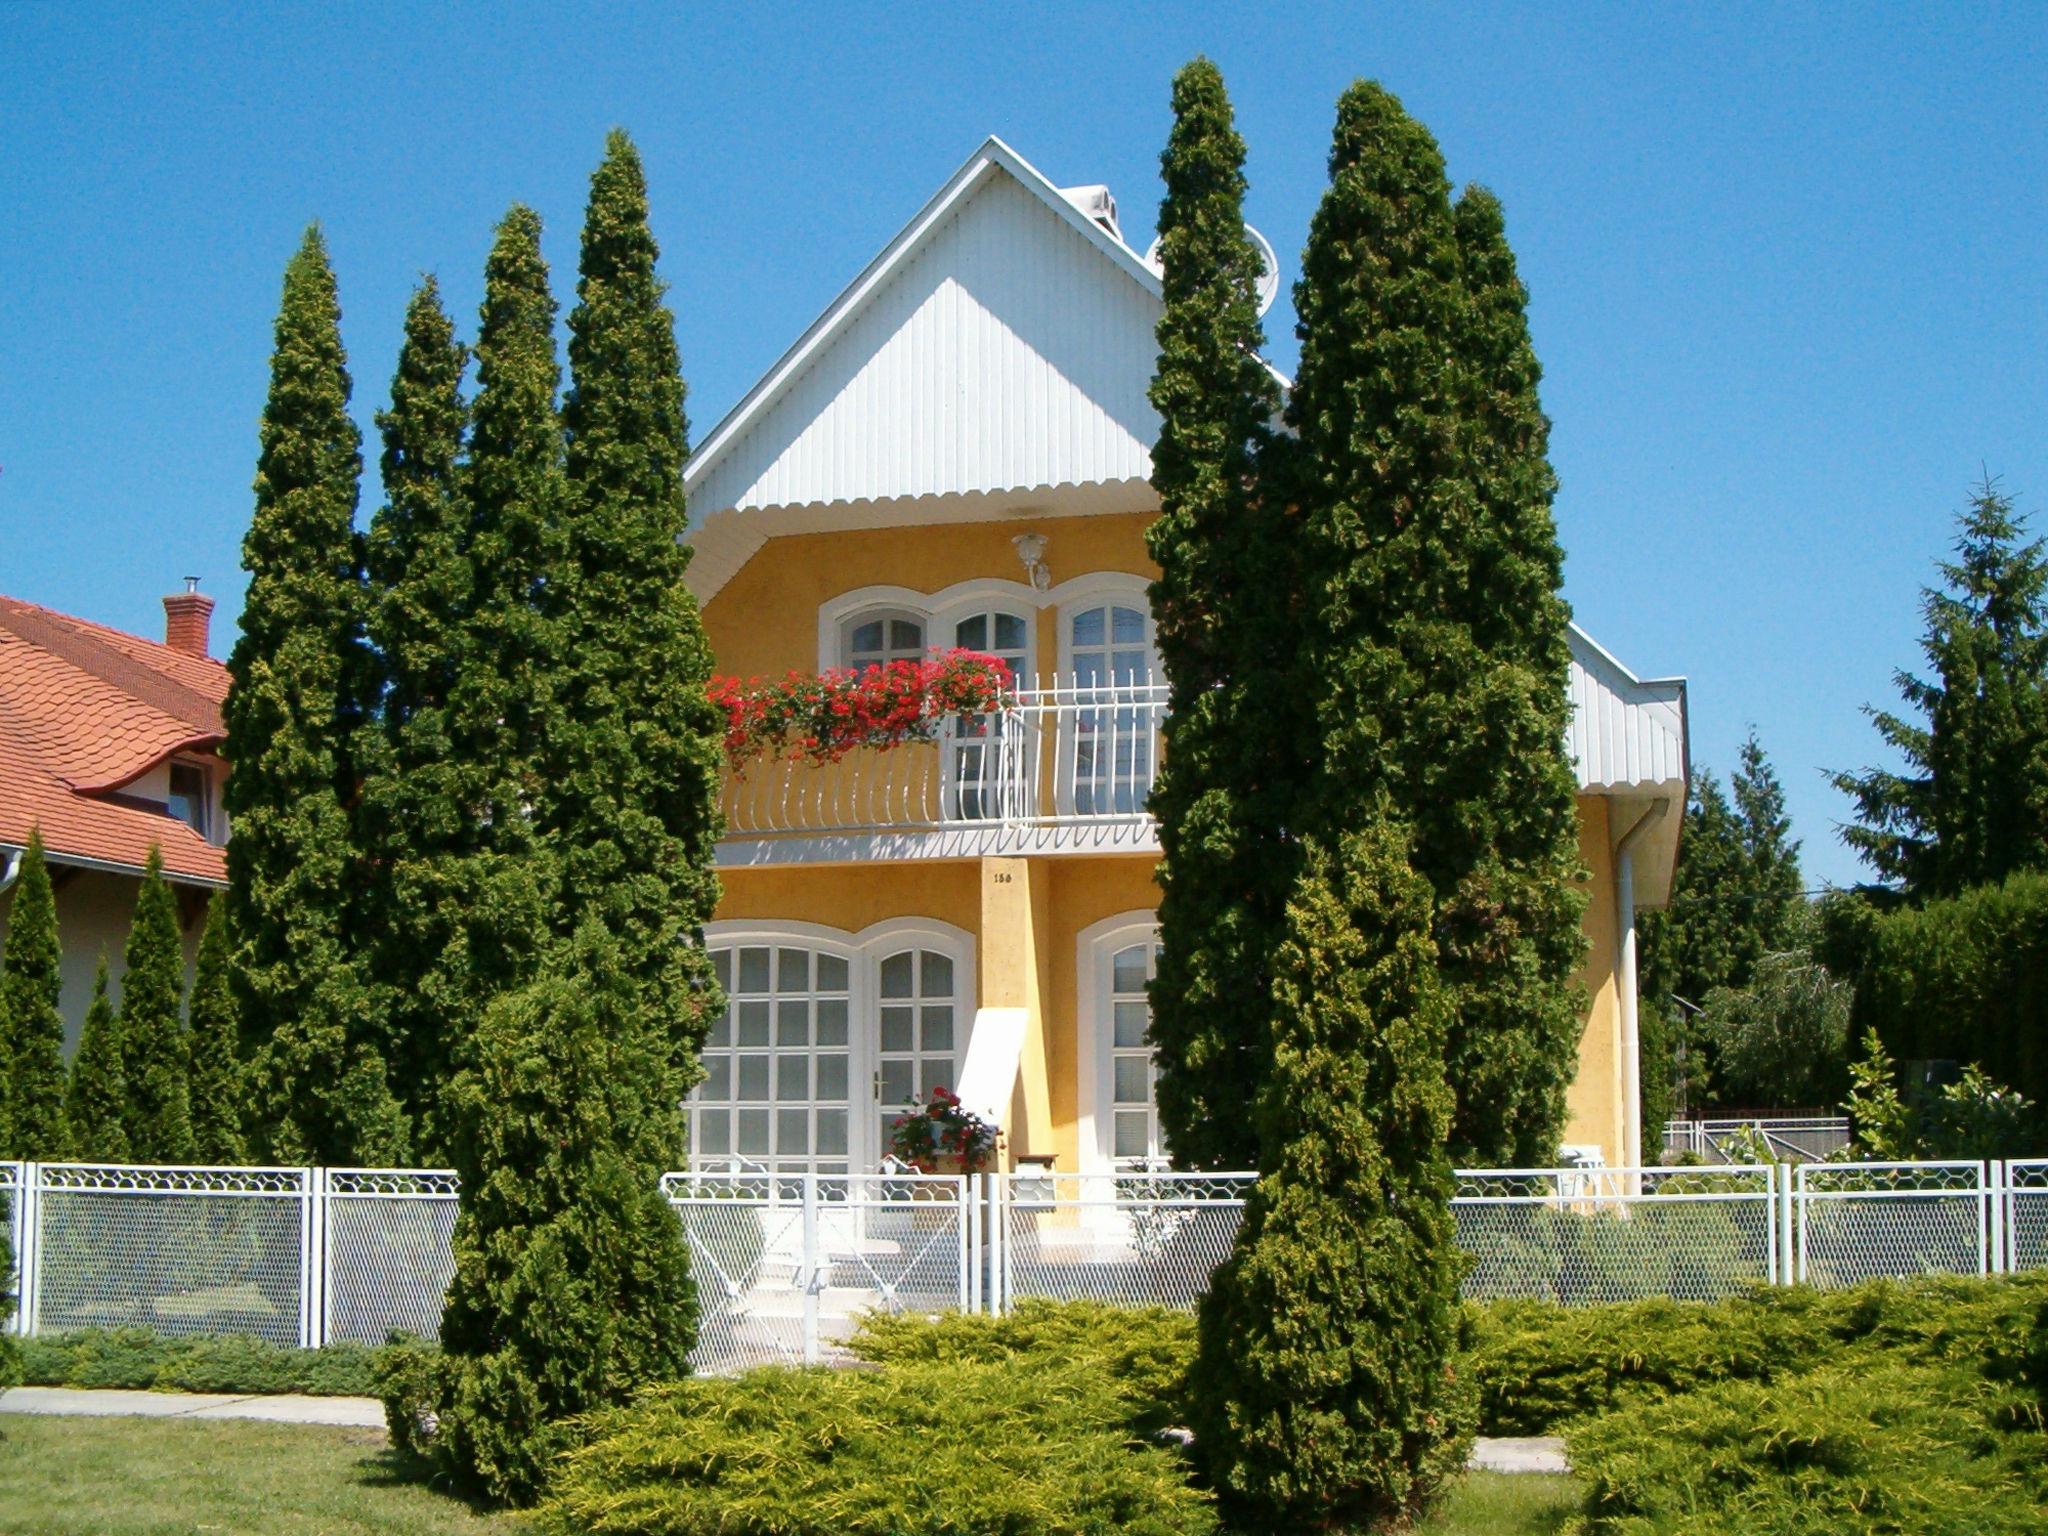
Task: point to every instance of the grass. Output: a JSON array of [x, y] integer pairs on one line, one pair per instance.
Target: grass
[[220, 1477], [1506, 1504]]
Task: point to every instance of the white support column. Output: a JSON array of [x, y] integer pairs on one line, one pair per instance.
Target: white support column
[[28, 1209], [1625, 991]]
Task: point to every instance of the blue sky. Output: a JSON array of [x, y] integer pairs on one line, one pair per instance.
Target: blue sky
[[1789, 267]]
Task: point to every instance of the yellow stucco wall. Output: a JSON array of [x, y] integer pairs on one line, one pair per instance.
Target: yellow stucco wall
[[1593, 1106], [765, 620]]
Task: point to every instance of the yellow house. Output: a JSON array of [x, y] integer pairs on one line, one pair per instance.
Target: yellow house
[[956, 454]]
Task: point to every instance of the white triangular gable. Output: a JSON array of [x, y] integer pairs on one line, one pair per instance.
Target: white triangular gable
[[1002, 343]]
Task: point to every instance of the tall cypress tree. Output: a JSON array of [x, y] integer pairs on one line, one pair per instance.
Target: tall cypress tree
[[413, 815], [96, 1101], [1495, 795], [214, 1074], [1326, 1340], [572, 1285], [1972, 805], [1221, 611], [31, 1026], [298, 679], [152, 1034]]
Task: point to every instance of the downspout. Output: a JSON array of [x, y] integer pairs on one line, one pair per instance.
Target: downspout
[[1625, 984], [12, 872]]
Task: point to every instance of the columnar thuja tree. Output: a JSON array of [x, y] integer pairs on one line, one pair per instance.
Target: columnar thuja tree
[[213, 1063], [298, 677], [1220, 609], [572, 1285], [1325, 1383], [96, 1101], [31, 1027], [1488, 776], [413, 819], [152, 1034]]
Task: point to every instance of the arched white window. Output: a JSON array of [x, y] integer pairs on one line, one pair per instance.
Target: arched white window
[[827, 1038], [1119, 1111], [881, 635], [984, 763], [1108, 646]]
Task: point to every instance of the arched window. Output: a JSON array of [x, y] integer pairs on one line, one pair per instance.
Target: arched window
[[982, 757], [877, 636], [1119, 1110], [1109, 770], [918, 1034]]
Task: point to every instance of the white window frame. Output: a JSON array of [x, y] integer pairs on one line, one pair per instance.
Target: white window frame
[[887, 613], [940, 611], [1096, 590], [864, 952], [1095, 947]]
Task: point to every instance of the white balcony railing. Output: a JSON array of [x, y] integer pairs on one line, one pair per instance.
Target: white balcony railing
[[1072, 755]]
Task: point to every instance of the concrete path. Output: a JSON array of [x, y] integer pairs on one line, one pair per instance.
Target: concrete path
[[283, 1408], [1535, 1453], [1525, 1453]]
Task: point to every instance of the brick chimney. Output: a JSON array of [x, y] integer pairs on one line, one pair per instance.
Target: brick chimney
[[186, 615]]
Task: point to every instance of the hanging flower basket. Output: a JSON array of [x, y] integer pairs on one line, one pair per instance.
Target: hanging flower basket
[[823, 717], [941, 1136]]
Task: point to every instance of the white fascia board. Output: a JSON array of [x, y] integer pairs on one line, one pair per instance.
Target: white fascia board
[[993, 155]]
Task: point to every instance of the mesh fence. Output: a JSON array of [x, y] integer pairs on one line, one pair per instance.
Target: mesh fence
[[1135, 1239], [1584, 1236], [387, 1250], [177, 1250], [1865, 1221], [2026, 1213]]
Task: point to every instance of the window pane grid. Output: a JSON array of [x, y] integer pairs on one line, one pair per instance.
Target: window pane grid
[[1133, 1107], [916, 1033], [775, 1062]]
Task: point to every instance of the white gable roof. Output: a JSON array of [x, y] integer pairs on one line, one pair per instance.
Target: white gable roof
[[990, 348], [1627, 735]]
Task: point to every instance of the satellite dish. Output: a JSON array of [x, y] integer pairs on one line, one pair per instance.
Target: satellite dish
[[1268, 285]]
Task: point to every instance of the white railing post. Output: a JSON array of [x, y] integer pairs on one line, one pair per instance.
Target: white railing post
[[812, 1276], [1801, 1214], [970, 1250], [28, 1256], [310, 1281], [1990, 1226], [999, 1239]]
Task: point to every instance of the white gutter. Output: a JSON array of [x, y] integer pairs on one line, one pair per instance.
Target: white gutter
[[1625, 984]]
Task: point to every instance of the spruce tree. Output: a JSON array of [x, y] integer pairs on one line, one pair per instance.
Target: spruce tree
[[1972, 804], [572, 1283], [214, 1075], [633, 781], [96, 1103], [413, 815], [1324, 1373], [1496, 800], [31, 1025], [1221, 614], [299, 676], [152, 1036]]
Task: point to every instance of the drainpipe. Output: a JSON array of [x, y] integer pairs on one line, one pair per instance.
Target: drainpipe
[[11, 872], [1625, 984]]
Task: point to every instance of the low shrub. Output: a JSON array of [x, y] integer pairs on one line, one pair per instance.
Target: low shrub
[[1539, 1366], [915, 1447], [406, 1375], [234, 1363], [1877, 1445]]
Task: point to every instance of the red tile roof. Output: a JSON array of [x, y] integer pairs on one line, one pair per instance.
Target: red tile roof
[[84, 710]]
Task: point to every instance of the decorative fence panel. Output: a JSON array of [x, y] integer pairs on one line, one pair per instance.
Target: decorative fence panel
[[786, 1263], [386, 1261], [1615, 1234], [1861, 1221], [1136, 1239]]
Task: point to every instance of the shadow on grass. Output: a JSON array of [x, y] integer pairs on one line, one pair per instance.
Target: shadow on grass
[[393, 1468]]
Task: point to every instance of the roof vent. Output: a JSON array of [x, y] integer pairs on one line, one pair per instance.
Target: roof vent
[[1097, 204]]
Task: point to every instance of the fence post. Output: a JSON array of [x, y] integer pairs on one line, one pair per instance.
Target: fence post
[[1991, 1215], [310, 1266], [28, 1258], [970, 1241], [998, 1240], [812, 1271]]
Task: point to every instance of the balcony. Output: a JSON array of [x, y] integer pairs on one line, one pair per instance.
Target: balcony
[[1066, 768]]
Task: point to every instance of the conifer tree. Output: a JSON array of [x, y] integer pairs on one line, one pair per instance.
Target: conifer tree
[[572, 1287], [413, 817], [299, 676], [31, 1026], [1495, 798], [634, 768], [1324, 1373], [214, 1073], [1220, 611], [96, 1101], [1972, 805], [153, 1050]]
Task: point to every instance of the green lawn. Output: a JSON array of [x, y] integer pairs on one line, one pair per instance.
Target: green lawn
[[222, 1477]]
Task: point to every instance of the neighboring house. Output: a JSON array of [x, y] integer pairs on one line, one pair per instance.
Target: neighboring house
[[110, 743], [956, 453]]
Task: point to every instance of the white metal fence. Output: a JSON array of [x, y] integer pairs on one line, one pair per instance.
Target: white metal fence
[[1798, 1139], [786, 1263]]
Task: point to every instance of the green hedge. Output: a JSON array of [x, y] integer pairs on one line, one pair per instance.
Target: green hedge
[[1032, 1425], [235, 1363], [1964, 979]]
